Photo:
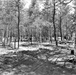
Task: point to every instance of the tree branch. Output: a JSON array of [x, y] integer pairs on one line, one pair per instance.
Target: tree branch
[[64, 2]]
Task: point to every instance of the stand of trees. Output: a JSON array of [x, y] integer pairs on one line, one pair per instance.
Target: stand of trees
[[37, 24]]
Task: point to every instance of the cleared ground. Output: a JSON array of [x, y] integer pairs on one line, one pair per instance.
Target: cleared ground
[[31, 60]]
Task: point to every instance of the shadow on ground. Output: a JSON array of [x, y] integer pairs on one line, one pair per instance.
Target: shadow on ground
[[22, 64]]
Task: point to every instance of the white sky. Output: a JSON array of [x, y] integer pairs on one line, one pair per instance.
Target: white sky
[[71, 6], [28, 2]]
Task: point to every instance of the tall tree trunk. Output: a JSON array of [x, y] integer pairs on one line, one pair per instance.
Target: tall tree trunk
[[14, 42], [49, 34], [75, 41], [4, 36], [18, 21], [31, 37], [66, 31], [40, 36], [60, 27], [54, 24], [7, 34]]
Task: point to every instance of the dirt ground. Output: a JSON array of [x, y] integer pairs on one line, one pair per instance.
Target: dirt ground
[[22, 64]]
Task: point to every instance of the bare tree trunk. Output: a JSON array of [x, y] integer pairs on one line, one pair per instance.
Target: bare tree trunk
[[40, 36], [60, 28], [54, 24], [11, 38], [7, 35], [49, 35], [18, 21], [66, 31], [4, 38], [14, 42], [75, 41], [31, 37]]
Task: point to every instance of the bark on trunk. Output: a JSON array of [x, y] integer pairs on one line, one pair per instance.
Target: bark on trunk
[[60, 28], [31, 37], [40, 36], [18, 21], [54, 24], [75, 40]]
